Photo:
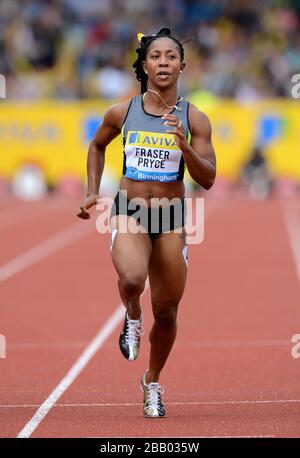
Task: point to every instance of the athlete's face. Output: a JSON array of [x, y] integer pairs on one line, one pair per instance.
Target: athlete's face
[[163, 63]]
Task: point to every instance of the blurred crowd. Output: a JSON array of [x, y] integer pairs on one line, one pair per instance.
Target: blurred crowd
[[74, 49]]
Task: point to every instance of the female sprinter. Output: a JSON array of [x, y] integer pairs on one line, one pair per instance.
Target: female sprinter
[[162, 134]]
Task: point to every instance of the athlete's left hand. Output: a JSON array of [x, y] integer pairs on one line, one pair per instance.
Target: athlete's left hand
[[178, 132]]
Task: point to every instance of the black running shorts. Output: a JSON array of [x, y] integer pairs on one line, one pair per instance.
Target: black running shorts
[[155, 220]]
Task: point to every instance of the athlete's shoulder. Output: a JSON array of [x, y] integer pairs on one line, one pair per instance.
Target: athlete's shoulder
[[198, 114], [116, 113], [198, 119]]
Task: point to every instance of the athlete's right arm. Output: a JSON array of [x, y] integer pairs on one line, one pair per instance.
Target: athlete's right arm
[[106, 132]]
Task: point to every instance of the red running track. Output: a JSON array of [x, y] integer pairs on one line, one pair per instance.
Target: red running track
[[231, 372]]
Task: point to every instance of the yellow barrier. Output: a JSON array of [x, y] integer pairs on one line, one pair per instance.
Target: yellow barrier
[[56, 135]]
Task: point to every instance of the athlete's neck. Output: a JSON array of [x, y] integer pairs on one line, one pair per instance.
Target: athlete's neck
[[170, 97]]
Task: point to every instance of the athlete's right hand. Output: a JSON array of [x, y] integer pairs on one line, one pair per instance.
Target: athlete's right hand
[[89, 202]]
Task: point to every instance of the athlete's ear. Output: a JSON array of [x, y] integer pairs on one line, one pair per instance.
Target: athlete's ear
[[144, 67], [182, 66]]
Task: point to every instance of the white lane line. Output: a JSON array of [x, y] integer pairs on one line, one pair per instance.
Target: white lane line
[[28, 212], [46, 345], [187, 343], [292, 223], [10, 209], [46, 248], [229, 437], [184, 437], [76, 369], [234, 343], [73, 373], [134, 404], [49, 246], [25, 214]]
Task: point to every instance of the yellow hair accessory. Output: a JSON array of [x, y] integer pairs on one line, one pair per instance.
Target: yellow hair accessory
[[140, 36]]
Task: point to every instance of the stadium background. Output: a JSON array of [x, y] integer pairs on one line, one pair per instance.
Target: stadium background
[[66, 61]]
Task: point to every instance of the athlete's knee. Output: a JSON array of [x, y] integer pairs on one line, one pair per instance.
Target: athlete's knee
[[132, 284], [165, 313]]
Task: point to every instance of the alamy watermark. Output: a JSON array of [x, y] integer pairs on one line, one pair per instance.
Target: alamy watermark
[[296, 88], [2, 346], [183, 216], [296, 348], [2, 87]]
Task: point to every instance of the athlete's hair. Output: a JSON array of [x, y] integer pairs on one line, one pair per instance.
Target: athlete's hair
[[142, 52]]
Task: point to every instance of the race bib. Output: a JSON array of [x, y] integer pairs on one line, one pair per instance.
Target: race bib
[[152, 156]]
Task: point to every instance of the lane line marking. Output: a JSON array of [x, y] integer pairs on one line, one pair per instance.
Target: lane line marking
[[220, 437], [22, 216], [97, 342], [135, 404], [48, 247], [182, 437], [73, 373], [44, 249], [200, 343], [234, 343], [12, 207]]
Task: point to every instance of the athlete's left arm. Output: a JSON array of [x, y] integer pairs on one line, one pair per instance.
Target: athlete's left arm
[[199, 155]]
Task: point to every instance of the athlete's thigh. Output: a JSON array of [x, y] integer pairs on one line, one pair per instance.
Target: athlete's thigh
[[168, 268], [130, 251]]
